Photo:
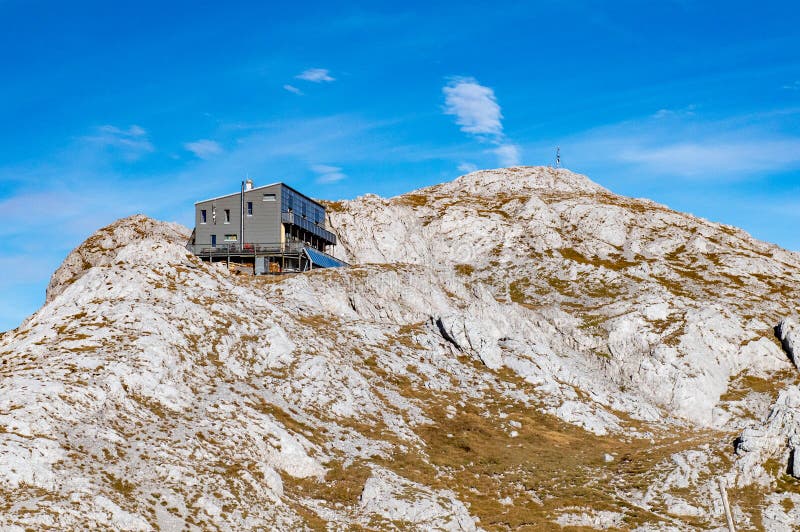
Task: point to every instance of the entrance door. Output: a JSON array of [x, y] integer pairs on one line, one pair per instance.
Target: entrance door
[[213, 241]]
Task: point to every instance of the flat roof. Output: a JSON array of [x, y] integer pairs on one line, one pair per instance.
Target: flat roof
[[259, 188]]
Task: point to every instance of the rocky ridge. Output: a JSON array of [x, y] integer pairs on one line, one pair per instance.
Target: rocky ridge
[[519, 347]]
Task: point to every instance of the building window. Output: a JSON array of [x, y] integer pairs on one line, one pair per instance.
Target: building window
[[227, 216], [269, 197], [249, 208], [231, 238], [203, 216]]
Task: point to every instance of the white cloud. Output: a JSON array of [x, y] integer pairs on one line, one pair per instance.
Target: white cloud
[[689, 110], [710, 157], [293, 89], [316, 75], [685, 146], [467, 167], [478, 113], [204, 148], [508, 154], [794, 86], [474, 106], [327, 174], [131, 143]]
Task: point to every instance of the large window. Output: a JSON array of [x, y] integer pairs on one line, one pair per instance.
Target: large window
[[268, 197], [291, 201], [227, 216], [231, 238], [203, 216], [249, 208]]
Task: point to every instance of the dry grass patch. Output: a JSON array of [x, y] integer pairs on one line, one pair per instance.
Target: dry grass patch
[[743, 384], [547, 466], [342, 484], [517, 290], [414, 200], [465, 269], [615, 262]]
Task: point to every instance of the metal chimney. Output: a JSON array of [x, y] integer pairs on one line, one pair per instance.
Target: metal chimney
[[241, 217]]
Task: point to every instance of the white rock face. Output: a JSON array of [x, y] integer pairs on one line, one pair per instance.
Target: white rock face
[[586, 517], [490, 328], [783, 512], [789, 334], [778, 438], [674, 318], [392, 497], [100, 249]]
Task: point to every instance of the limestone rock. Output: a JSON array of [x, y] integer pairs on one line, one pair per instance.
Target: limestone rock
[[495, 341], [776, 438], [402, 501], [789, 334], [100, 249]]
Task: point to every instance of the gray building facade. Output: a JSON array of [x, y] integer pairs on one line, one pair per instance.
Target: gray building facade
[[269, 215]]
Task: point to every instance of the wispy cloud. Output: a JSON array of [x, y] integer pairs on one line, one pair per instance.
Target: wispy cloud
[[293, 89], [327, 174], [685, 145], [689, 110], [508, 154], [712, 157], [478, 113], [794, 86], [474, 106], [204, 148], [467, 167], [131, 143], [316, 75]]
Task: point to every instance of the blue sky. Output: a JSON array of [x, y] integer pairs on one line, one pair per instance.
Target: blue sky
[[113, 108]]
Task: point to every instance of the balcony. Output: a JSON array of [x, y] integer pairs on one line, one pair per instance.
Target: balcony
[[246, 249], [307, 225]]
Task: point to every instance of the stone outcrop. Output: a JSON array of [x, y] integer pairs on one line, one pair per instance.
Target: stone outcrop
[[788, 332], [101, 248]]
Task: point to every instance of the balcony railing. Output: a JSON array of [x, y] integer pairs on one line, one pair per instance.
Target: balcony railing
[[308, 225], [247, 248]]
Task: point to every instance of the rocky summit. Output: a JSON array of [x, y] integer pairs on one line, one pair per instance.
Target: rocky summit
[[516, 349]]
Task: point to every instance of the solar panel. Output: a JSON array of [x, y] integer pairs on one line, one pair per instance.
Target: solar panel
[[322, 260]]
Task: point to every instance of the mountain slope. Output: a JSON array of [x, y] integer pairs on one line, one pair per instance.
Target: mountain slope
[[515, 348], [642, 282]]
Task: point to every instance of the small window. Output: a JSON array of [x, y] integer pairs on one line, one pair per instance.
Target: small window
[[227, 216], [249, 208], [231, 238], [269, 197], [203, 216]]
